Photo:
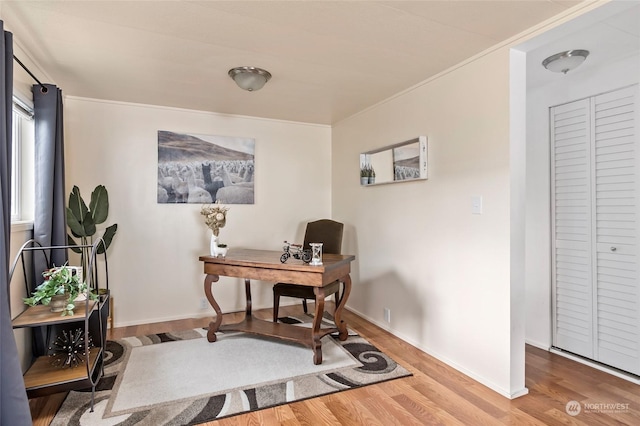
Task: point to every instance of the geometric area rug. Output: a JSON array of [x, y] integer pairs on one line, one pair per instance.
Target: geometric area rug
[[182, 379]]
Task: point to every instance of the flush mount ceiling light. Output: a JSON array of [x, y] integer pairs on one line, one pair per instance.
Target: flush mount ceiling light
[[565, 61], [249, 78]]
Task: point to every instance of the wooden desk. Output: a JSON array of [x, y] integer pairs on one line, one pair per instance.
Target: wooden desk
[[266, 266]]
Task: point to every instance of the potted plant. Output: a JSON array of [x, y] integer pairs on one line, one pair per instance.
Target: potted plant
[[372, 175], [222, 250], [59, 290], [364, 175], [82, 221]]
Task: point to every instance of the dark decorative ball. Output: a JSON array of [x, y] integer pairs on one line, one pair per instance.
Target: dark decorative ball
[[70, 349]]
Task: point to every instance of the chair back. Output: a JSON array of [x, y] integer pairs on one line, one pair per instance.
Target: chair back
[[325, 231]]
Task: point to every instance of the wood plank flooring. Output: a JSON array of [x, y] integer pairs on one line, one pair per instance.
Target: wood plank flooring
[[435, 395]]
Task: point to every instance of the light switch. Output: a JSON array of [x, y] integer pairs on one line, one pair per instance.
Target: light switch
[[476, 204]]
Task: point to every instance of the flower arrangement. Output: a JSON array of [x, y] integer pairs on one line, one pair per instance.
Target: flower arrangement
[[215, 217]]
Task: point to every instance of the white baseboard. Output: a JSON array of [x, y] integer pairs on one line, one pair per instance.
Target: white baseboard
[[539, 345], [593, 364], [478, 378]]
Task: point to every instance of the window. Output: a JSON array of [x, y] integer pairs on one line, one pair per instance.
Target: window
[[15, 170], [22, 162]]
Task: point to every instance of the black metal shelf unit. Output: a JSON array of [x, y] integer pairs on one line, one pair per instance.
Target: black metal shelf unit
[[42, 377]]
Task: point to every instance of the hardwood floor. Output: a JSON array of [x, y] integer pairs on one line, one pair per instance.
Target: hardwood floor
[[435, 394]]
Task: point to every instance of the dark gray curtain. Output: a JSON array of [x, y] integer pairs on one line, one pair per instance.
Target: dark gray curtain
[[49, 224], [14, 405]]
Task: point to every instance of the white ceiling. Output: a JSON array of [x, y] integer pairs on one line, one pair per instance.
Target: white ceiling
[[609, 33], [329, 59]]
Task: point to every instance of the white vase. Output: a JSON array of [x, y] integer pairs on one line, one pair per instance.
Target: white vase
[[215, 250], [214, 245]]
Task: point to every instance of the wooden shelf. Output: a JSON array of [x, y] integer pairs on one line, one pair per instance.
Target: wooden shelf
[[43, 374], [289, 332], [39, 315]]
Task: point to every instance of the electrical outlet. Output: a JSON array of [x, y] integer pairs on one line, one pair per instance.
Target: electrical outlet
[[203, 303], [387, 314]]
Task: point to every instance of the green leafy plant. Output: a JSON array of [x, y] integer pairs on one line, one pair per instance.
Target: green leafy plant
[[366, 171], [82, 221], [59, 281]]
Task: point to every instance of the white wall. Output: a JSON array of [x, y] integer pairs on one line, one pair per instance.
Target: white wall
[[443, 271], [154, 270], [576, 85]]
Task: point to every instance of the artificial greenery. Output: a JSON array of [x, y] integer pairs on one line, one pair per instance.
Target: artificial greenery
[[367, 171], [82, 221], [59, 281]]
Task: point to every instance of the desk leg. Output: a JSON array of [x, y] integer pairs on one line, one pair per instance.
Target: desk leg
[[342, 325], [213, 325], [316, 345], [247, 292]]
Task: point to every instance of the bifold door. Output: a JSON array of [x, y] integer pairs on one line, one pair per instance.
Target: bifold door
[[595, 169]]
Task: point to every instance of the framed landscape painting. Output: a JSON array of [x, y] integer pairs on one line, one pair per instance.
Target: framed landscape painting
[[204, 169]]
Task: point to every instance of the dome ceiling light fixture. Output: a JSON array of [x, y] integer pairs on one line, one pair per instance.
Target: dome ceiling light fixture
[[249, 78], [565, 61]]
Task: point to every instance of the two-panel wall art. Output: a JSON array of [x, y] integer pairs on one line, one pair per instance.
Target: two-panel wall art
[[205, 169]]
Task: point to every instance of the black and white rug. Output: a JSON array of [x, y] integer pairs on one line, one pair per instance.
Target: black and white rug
[[182, 379]]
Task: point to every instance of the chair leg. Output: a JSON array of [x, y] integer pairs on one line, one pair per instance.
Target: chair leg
[[276, 305], [304, 305]]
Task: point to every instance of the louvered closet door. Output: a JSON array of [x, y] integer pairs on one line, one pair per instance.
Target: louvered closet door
[[617, 297], [572, 229], [595, 186]]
